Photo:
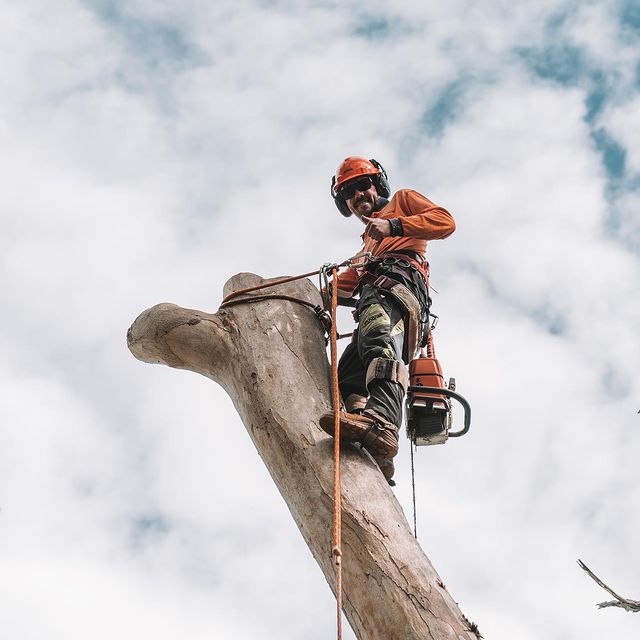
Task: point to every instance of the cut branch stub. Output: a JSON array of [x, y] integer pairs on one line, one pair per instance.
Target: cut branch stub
[[181, 338], [270, 357]]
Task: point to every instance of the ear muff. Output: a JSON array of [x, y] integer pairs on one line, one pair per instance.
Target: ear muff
[[343, 207], [380, 180]]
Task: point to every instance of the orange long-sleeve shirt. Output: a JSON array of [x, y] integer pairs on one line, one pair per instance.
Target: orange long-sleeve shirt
[[422, 220]]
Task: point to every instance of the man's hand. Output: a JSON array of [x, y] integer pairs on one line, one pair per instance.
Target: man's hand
[[377, 228]]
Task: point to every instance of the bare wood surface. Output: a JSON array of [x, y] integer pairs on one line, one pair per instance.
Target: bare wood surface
[[270, 357], [624, 603]]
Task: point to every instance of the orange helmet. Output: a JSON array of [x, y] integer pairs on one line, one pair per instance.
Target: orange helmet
[[354, 167]]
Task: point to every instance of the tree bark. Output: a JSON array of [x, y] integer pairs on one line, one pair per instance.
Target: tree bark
[[270, 357]]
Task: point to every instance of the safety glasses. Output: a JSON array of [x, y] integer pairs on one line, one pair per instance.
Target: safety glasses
[[361, 184]]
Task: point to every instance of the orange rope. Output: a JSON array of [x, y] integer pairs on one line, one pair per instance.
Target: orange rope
[[348, 262], [240, 292], [337, 507]]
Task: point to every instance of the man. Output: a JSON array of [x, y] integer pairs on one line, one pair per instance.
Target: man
[[393, 309]]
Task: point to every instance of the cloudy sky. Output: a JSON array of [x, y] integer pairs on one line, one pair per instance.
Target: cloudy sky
[[150, 150]]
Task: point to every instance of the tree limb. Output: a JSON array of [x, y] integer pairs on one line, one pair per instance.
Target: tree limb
[[270, 357], [624, 603]]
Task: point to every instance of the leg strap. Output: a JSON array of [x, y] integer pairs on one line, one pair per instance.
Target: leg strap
[[413, 313], [386, 369], [375, 431], [381, 438]]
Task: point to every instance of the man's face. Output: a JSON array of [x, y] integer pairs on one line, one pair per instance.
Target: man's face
[[360, 195]]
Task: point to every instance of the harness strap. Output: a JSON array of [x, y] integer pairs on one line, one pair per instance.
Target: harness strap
[[413, 259], [410, 304], [372, 434]]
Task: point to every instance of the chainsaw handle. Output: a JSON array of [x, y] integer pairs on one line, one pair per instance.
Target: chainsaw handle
[[456, 396]]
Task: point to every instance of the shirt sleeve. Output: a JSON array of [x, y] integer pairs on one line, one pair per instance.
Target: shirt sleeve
[[423, 219]]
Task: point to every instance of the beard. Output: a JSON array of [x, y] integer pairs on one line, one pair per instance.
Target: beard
[[364, 205]]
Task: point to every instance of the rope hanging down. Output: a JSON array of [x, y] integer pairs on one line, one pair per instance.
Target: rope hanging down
[[413, 493], [330, 325], [337, 498]]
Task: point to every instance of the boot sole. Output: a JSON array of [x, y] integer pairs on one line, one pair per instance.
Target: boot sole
[[353, 428]]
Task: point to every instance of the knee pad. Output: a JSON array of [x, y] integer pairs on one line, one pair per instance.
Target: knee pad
[[386, 369]]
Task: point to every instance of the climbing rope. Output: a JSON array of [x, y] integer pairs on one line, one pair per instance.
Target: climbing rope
[[230, 303], [337, 498], [264, 285], [413, 489], [328, 320]]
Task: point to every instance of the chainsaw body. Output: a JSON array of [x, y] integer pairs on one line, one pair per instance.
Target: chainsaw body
[[429, 407]]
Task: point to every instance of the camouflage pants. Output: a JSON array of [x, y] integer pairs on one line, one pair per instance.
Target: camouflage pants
[[380, 334]]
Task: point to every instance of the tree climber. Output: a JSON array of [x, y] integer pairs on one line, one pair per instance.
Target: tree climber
[[392, 311]]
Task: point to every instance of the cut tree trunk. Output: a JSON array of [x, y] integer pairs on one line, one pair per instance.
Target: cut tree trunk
[[270, 357]]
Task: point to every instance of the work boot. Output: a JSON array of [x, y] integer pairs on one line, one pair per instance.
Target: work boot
[[377, 437], [389, 434]]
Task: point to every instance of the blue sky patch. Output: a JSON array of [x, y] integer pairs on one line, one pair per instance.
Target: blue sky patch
[[147, 528], [560, 63], [443, 110], [380, 28], [597, 95], [630, 14], [614, 156], [543, 315], [158, 43], [566, 65], [551, 320]]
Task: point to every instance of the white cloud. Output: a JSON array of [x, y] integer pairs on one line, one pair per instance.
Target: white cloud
[[597, 28], [132, 178]]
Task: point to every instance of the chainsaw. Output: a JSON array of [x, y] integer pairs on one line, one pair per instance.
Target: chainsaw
[[429, 401]]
